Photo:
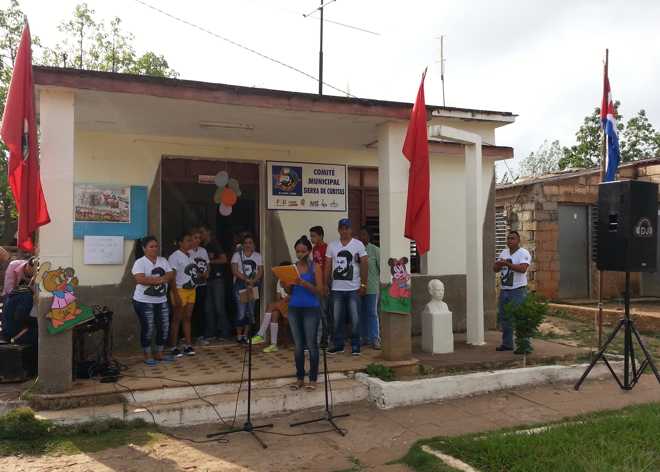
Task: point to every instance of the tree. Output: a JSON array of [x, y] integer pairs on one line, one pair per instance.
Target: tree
[[587, 151], [543, 161], [639, 140], [93, 45]]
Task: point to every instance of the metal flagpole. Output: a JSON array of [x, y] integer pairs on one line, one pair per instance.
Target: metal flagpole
[[603, 164]]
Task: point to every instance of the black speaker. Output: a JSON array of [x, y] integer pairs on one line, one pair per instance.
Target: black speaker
[[627, 226]]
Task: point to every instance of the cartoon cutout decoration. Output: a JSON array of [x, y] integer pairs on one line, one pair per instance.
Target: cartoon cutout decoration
[[395, 297], [400, 287], [227, 193], [65, 311]]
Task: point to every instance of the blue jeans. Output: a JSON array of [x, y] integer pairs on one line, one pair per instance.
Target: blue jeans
[[16, 314], [304, 324], [369, 325], [517, 296], [244, 311], [151, 314], [346, 303]]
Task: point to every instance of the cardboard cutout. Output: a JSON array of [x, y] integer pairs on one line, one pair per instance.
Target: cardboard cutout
[[65, 311], [395, 297]]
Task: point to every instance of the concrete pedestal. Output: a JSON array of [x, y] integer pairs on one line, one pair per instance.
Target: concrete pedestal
[[396, 336], [437, 332], [55, 355]]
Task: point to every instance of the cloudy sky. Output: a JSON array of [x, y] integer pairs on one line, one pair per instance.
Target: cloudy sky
[[541, 60]]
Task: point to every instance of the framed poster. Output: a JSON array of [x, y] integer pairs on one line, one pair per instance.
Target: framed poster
[[101, 203], [103, 250], [306, 186]]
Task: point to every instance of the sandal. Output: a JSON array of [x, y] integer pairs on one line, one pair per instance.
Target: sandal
[[296, 386], [151, 362], [310, 387]]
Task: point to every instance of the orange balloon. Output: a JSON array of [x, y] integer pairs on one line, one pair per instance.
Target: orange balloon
[[228, 197]]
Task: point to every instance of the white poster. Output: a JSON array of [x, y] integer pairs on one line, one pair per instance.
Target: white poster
[[103, 250], [306, 186]]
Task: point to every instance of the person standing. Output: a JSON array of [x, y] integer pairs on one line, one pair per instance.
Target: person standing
[[512, 265], [369, 323], [152, 275], [304, 313], [183, 294], [201, 258], [319, 249], [217, 322], [248, 269], [347, 267]]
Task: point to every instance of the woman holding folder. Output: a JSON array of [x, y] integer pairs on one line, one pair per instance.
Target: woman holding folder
[[305, 313]]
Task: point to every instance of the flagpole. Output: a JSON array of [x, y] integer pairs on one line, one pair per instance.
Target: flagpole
[[603, 163]]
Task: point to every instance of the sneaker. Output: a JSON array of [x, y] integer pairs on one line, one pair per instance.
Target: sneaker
[[503, 348], [271, 348], [176, 352], [242, 340], [258, 339], [336, 350], [356, 352], [376, 346], [203, 341], [189, 351]]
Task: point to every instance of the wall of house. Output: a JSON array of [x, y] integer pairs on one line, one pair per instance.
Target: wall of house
[[532, 210], [134, 160]]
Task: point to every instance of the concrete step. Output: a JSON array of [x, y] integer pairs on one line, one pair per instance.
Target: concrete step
[[270, 401]]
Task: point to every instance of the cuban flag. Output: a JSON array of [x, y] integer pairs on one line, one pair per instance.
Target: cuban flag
[[608, 122]]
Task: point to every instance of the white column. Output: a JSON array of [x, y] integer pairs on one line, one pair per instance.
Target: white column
[[473, 228], [474, 241], [56, 238], [392, 194]]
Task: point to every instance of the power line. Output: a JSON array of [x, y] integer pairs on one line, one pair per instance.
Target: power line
[[239, 45]]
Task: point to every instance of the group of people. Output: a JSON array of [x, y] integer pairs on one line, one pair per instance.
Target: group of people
[[337, 283]]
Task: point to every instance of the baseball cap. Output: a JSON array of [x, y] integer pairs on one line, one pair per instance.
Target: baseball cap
[[344, 222]]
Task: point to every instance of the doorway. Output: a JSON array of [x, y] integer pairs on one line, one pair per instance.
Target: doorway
[[187, 200], [574, 251]]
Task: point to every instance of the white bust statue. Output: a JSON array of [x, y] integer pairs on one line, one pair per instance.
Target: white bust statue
[[437, 292], [437, 332]]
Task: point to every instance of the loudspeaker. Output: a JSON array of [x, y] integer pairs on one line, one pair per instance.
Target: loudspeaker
[[627, 226]]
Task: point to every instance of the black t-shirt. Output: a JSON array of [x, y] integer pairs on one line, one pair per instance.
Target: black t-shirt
[[214, 249]]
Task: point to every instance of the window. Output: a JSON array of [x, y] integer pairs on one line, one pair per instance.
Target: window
[[501, 230]]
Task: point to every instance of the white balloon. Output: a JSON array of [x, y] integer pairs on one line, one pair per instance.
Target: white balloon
[[221, 178], [224, 210], [233, 184]]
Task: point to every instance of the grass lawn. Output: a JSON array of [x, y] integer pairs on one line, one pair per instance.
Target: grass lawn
[[22, 433], [624, 440]]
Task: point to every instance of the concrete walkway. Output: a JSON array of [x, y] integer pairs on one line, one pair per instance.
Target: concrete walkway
[[374, 438]]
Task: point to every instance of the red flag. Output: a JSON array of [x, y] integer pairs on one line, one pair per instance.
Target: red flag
[[19, 133], [416, 150]]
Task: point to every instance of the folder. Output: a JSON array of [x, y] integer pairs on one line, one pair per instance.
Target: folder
[[287, 274]]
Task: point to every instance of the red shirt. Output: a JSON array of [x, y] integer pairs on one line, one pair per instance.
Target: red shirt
[[318, 254]]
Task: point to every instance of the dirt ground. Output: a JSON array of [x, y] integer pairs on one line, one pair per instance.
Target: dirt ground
[[375, 437]]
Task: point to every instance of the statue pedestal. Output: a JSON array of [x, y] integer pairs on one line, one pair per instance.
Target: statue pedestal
[[437, 332], [396, 336], [55, 361]]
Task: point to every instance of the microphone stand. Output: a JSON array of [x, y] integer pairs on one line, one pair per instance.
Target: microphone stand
[[247, 427], [328, 415]]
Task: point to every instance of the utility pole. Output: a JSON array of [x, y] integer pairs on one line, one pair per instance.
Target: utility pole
[[442, 68], [321, 53]]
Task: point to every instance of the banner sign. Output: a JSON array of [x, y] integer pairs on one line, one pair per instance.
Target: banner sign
[[306, 186]]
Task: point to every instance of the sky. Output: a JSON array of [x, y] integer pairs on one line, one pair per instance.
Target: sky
[[542, 60]]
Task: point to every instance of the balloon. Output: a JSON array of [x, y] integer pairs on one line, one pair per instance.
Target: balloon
[[224, 210], [233, 184], [221, 178], [217, 197], [228, 197]]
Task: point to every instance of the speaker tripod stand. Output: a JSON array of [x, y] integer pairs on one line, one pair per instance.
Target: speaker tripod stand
[[631, 373]]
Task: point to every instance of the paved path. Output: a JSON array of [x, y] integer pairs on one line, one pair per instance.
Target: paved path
[[375, 436]]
